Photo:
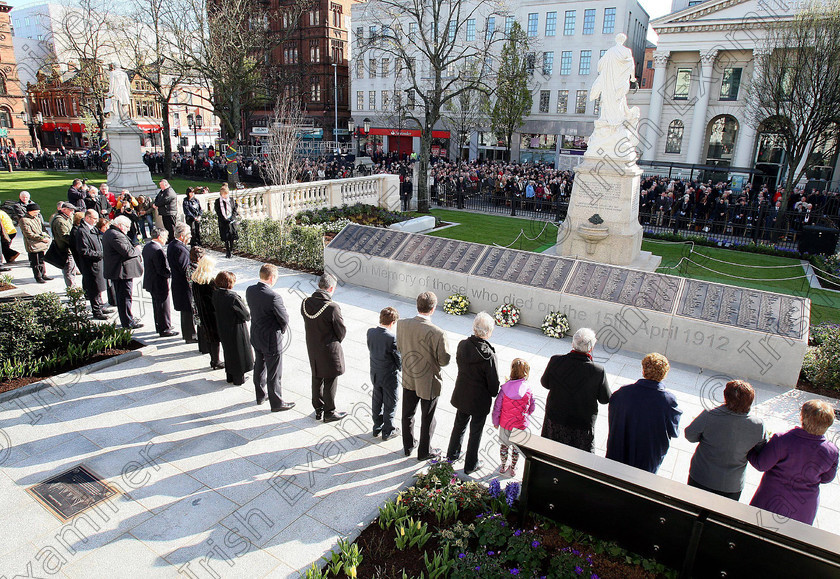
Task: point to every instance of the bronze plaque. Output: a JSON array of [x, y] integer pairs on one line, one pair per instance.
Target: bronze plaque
[[374, 241], [525, 268], [72, 492], [625, 286], [750, 309]]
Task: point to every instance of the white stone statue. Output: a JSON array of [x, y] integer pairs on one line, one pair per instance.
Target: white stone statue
[[118, 99], [616, 125]]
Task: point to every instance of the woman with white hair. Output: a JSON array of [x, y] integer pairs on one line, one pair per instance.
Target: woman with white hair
[[576, 384], [476, 386]]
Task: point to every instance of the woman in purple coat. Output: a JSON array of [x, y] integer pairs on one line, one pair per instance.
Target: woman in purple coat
[[795, 464]]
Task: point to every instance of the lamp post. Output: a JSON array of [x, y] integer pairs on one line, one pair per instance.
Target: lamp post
[[194, 122], [366, 128], [351, 128], [31, 123], [335, 97]]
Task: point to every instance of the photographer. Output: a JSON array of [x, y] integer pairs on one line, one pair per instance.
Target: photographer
[[127, 206], [145, 216], [192, 215]]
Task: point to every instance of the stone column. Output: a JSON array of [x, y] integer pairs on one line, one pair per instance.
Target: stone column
[[657, 99], [701, 107], [744, 153]]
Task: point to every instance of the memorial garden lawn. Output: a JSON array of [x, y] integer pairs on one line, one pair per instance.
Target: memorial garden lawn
[[503, 230]]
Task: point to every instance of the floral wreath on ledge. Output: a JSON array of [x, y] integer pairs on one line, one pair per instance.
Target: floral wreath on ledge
[[456, 305], [555, 325], [506, 315]]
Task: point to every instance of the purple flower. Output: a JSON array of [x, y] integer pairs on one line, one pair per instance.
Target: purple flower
[[491, 553], [517, 532], [478, 567], [578, 571], [575, 552], [514, 571], [495, 489], [462, 555], [594, 576], [535, 544], [511, 493]]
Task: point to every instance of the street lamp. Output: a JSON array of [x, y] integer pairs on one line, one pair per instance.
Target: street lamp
[[194, 122], [366, 129], [351, 128], [335, 98], [31, 123]]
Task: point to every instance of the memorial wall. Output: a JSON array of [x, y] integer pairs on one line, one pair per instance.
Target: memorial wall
[[726, 330]]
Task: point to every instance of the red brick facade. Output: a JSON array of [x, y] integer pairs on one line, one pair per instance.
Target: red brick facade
[[12, 103]]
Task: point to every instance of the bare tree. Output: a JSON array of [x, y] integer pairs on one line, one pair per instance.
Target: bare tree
[[435, 43], [227, 45], [465, 113], [153, 51], [283, 139], [795, 93]]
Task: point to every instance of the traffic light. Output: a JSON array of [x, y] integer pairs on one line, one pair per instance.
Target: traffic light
[[176, 132]]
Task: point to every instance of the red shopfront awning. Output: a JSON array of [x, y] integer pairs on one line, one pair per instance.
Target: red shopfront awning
[[59, 126], [150, 128], [403, 133]]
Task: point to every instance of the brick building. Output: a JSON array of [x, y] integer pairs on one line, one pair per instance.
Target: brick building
[[304, 67], [13, 131]]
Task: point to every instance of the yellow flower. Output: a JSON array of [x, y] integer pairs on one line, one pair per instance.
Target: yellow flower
[[402, 531]]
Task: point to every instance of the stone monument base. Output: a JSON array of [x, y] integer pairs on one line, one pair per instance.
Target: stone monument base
[[127, 169]]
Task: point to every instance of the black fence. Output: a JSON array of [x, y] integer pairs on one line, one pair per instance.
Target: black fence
[[476, 197], [695, 532]]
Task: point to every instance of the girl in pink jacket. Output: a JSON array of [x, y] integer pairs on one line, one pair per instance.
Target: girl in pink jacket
[[514, 404]]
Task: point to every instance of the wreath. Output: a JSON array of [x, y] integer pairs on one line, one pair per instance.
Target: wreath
[[506, 315], [555, 325], [456, 304]]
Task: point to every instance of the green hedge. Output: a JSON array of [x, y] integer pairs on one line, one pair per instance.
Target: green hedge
[[358, 213], [822, 359], [40, 335]]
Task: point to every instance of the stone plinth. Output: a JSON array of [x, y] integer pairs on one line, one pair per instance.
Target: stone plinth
[[602, 224], [127, 169]]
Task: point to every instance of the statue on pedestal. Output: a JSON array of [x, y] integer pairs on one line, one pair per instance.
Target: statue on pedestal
[[118, 99], [615, 130]]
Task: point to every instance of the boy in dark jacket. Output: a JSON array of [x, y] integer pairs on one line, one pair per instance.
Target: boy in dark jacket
[[385, 363]]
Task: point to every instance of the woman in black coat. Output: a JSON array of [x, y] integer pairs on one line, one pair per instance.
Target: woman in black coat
[[227, 211], [475, 387], [231, 322], [203, 289]]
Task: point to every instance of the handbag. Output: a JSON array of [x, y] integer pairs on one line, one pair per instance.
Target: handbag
[[54, 256]]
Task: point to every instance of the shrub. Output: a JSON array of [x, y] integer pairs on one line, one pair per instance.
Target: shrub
[[737, 245], [822, 362], [358, 213]]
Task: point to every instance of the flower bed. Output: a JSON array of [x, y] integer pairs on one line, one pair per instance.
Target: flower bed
[[358, 213], [41, 337], [445, 527], [821, 366]]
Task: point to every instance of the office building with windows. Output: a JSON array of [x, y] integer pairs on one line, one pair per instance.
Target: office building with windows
[[566, 41]]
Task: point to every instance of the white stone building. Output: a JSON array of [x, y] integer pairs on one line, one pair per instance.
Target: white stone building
[[695, 110], [567, 40]]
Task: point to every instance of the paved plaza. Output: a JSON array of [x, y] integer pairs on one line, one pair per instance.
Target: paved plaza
[[211, 485]]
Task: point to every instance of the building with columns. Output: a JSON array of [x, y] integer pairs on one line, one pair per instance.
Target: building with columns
[[694, 110]]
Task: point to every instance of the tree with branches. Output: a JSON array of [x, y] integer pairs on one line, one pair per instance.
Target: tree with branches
[[284, 131], [795, 95], [467, 112], [513, 97], [435, 45]]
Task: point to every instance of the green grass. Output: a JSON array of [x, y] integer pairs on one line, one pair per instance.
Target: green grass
[[49, 187], [825, 305], [498, 229]]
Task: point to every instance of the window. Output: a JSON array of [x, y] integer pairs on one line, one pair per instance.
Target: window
[[372, 67], [673, 142], [585, 61], [314, 51], [683, 84], [386, 66], [411, 99], [385, 34], [566, 62], [360, 33], [453, 26], [596, 109], [530, 62], [470, 29], [314, 17], [589, 21], [336, 12], [533, 24], [551, 23], [360, 69], [602, 53], [386, 100], [412, 29], [360, 100], [5, 119], [580, 102], [730, 83], [609, 21], [545, 97], [509, 20], [649, 64], [338, 52], [548, 63], [491, 28], [372, 33], [562, 101], [372, 100], [569, 23], [315, 90]]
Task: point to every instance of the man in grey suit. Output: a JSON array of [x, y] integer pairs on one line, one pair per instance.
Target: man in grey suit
[[156, 281], [424, 352], [269, 321], [122, 263]]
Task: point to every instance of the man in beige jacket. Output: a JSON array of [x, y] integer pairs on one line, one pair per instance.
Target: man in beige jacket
[[424, 352]]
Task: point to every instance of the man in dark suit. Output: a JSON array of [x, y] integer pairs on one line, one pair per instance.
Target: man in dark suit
[[89, 250], [178, 255], [76, 195], [424, 352], [156, 281], [269, 321], [324, 332], [167, 206], [122, 264], [385, 363]]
